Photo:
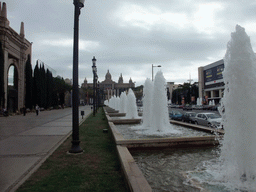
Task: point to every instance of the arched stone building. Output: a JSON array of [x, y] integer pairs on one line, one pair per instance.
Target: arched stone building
[[15, 49]]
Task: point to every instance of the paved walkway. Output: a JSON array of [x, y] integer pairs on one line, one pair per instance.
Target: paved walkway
[[27, 141]]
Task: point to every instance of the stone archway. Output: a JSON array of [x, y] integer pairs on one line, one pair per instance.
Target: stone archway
[[12, 89], [15, 50]]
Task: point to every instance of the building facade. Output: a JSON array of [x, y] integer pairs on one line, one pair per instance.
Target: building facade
[[211, 83], [15, 49], [108, 87]]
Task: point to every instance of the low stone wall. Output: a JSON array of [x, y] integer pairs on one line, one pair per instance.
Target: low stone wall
[[198, 127], [135, 179]]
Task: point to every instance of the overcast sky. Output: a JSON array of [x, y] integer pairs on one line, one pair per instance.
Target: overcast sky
[[129, 36]]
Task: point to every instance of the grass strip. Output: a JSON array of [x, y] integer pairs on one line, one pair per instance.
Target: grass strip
[[96, 169]]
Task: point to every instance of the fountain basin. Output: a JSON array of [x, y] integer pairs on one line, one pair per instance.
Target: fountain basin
[[133, 174], [116, 114], [162, 142]]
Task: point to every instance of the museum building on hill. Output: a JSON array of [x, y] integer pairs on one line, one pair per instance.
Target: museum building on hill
[[110, 87]]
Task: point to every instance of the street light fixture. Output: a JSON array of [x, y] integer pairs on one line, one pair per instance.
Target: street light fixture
[[94, 70], [96, 93], [75, 96], [152, 69]]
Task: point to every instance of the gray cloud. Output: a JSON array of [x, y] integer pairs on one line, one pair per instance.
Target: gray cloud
[[129, 43]]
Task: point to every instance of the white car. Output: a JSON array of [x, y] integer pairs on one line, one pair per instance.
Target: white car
[[208, 119]]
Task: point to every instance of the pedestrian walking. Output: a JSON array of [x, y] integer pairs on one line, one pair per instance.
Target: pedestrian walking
[[5, 112], [24, 110], [37, 109]]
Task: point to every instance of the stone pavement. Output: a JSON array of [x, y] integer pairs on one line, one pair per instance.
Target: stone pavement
[[27, 141]]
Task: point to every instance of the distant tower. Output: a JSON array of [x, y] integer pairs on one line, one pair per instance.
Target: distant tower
[[190, 80], [120, 80]]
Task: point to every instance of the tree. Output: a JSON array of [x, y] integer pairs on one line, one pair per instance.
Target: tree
[[28, 83], [49, 88], [1, 76], [59, 89], [42, 81], [185, 91], [36, 86]]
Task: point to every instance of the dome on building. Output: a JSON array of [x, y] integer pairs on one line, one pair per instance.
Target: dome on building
[[108, 76]]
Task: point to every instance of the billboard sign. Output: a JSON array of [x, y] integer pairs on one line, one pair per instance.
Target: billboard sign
[[213, 75]]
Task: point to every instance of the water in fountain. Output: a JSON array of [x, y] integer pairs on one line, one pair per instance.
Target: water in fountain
[[147, 103], [123, 102], [131, 106], [198, 101], [236, 168], [113, 102], [155, 108], [117, 102], [110, 102], [240, 109], [160, 117], [106, 102]]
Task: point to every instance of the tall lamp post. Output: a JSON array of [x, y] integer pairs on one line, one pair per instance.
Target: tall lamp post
[[75, 96], [152, 69], [96, 93], [94, 70]]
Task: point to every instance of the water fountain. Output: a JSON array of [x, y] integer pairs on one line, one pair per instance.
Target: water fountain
[[123, 103], [238, 157], [160, 116], [232, 167], [147, 103], [131, 106], [199, 101], [155, 120]]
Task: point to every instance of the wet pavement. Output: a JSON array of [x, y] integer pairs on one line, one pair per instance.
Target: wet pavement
[[27, 141]]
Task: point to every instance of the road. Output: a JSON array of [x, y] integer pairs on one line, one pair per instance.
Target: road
[[27, 141]]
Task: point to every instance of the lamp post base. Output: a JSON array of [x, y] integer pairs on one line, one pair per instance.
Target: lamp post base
[[76, 147]]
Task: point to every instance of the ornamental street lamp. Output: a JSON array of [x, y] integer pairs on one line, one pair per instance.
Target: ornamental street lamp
[[96, 93], [152, 69], [98, 88], [94, 70], [75, 96]]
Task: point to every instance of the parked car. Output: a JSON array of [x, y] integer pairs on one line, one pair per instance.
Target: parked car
[[208, 119], [187, 107], [189, 117], [175, 115]]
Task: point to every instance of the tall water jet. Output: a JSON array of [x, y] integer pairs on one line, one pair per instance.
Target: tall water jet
[[106, 103], [123, 103], [147, 103], [117, 103], [131, 106], [198, 101], [160, 119], [235, 170], [238, 151], [110, 103], [155, 108]]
